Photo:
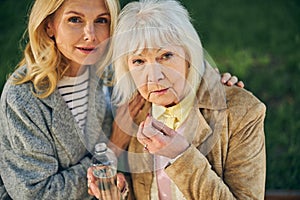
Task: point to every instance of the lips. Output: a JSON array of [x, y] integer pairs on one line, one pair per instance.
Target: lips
[[87, 50], [162, 91]]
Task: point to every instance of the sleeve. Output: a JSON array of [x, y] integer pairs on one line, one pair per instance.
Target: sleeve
[[29, 165], [3, 193], [244, 169]]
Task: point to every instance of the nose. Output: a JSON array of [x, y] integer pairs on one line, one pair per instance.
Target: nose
[[89, 32], [155, 73]]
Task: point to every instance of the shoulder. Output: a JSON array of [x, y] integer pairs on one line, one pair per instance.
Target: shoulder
[[243, 107], [239, 98], [17, 94]]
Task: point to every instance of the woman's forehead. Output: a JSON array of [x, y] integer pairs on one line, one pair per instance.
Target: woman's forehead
[[84, 7], [158, 49]]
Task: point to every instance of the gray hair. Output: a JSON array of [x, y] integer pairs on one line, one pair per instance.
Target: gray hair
[[153, 24]]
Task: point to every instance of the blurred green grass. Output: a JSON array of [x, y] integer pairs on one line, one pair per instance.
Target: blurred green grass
[[259, 41], [256, 40]]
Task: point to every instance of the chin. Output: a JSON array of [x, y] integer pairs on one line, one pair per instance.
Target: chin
[[162, 103], [89, 62], [91, 59], [167, 100]]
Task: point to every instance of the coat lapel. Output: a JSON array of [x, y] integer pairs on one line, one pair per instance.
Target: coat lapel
[[97, 107], [65, 130], [198, 130]]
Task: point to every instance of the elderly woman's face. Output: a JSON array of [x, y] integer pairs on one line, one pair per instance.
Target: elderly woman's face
[[79, 28], [160, 74]]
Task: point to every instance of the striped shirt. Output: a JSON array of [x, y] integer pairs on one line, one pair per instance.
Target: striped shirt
[[74, 91]]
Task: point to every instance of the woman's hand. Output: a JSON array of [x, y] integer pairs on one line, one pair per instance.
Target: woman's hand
[[229, 80], [124, 125], [159, 139], [93, 189]]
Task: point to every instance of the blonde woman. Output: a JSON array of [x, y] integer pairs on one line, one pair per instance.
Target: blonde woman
[[54, 107], [198, 139]]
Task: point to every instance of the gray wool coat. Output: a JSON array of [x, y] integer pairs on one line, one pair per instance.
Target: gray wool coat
[[44, 154]]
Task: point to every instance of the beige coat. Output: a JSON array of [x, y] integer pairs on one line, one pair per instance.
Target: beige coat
[[226, 159]]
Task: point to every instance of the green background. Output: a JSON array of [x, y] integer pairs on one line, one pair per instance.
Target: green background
[[256, 40]]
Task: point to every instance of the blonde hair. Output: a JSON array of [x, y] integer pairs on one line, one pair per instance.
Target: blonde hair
[[45, 64], [153, 24]]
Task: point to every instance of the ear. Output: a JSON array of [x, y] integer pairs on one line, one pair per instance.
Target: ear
[[50, 29]]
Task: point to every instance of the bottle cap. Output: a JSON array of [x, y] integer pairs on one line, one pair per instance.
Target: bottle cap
[[100, 147]]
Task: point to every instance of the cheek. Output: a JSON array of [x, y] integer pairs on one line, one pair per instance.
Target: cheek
[[143, 91], [176, 76], [180, 83], [140, 81], [178, 80], [62, 31], [103, 34], [65, 37], [139, 78]]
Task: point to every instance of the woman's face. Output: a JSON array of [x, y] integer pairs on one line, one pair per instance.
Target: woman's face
[[80, 29], [160, 74]]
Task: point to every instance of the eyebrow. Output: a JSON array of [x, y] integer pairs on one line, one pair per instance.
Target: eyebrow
[[159, 49], [140, 54], [82, 15]]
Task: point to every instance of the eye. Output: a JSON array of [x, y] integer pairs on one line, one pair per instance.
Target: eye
[[167, 56], [137, 62], [75, 19], [102, 20]]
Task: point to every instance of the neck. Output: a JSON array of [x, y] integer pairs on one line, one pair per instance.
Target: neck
[[75, 71]]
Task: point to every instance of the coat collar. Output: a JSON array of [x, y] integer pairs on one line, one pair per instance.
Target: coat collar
[[211, 93], [209, 112]]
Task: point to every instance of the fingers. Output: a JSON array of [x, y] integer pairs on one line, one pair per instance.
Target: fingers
[[90, 175], [232, 81], [229, 80], [125, 117], [241, 84], [109, 190], [94, 190], [225, 78], [148, 130], [154, 135], [119, 140], [136, 105], [159, 139], [131, 109], [122, 185], [121, 181], [142, 138], [92, 186], [163, 129], [152, 127], [146, 134]]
